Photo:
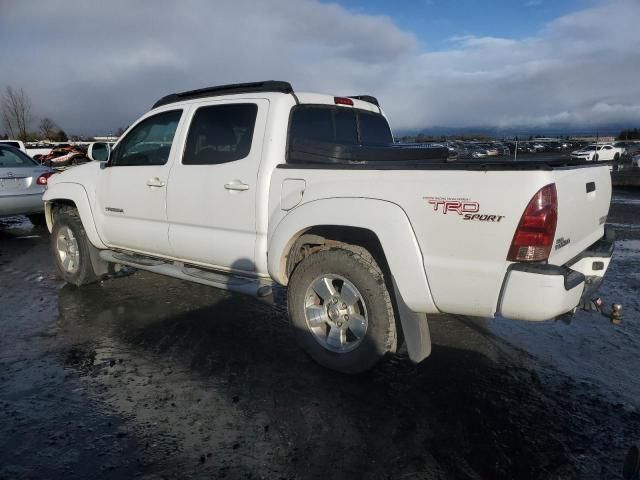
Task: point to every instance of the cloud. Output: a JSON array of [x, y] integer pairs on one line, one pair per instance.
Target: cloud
[[94, 68]]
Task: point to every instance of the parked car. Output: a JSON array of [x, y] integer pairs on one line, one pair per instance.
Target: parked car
[[598, 152], [478, 152], [64, 156], [22, 183], [16, 144], [501, 148], [489, 149], [273, 188]]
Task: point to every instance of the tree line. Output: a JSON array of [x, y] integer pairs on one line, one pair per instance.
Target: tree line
[[17, 119], [630, 134]]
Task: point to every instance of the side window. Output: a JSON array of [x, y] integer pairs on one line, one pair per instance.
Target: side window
[[149, 143], [220, 134], [374, 129], [324, 124]]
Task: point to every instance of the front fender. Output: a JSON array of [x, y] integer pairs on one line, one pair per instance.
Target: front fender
[[74, 192], [385, 219]]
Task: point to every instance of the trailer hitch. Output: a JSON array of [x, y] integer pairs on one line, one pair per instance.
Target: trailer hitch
[[614, 315]]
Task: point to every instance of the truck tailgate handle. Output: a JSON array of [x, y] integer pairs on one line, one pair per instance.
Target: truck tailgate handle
[[236, 185], [591, 187]]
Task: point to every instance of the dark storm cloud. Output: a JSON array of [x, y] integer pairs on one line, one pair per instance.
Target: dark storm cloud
[[94, 66]]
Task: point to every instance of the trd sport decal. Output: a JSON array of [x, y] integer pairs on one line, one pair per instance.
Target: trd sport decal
[[464, 207]]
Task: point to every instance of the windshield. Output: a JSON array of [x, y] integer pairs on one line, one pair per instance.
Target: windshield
[[11, 157]]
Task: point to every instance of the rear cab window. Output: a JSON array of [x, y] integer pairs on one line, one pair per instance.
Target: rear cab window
[[331, 124]]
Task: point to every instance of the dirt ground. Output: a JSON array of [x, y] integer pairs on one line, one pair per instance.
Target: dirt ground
[[143, 376]]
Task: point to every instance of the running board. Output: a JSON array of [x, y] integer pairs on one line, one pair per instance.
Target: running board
[[137, 259], [254, 287]]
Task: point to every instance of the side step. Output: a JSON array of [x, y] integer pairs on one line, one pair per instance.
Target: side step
[[255, 287], [137, 259]]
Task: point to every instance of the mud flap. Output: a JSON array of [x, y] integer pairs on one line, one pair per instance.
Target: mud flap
[[100, 267], [415, 329]]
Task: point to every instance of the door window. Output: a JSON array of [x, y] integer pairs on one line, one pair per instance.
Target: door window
[[149, 142], [220, 134]]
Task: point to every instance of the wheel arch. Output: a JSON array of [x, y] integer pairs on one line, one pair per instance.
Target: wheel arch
[[379, 226], [75, 196]]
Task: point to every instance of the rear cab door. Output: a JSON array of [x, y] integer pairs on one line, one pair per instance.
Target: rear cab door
[[211, 196]]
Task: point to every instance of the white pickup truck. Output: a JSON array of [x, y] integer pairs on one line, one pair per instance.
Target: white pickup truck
[[253, 186]]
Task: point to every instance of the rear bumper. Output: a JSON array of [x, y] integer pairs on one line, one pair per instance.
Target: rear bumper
[[21, 204], [541, 291]]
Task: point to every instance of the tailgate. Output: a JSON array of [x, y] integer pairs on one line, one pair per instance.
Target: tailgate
[[584, 196]]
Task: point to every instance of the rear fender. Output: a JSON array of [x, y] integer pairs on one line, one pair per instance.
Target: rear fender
[[385, 219]]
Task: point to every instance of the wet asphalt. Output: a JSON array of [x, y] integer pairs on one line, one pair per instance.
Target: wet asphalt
[[143, 376]]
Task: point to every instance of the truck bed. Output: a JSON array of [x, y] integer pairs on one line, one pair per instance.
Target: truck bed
[[323, 155]]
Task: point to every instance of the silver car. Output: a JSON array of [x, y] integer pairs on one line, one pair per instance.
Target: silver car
[[22, 183]]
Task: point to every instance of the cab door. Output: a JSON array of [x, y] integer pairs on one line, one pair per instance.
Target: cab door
[[131, 197], [211, 198]]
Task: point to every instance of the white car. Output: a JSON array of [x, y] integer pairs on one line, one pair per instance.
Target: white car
[[19, 144], [252, 187], [598, 152]]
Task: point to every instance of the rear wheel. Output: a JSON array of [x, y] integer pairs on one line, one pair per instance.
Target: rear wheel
[[71, 249], [341, 310]]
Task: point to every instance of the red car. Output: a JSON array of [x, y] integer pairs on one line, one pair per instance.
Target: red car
[[64, 156]]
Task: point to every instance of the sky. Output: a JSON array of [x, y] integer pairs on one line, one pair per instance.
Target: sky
[[95, 66]]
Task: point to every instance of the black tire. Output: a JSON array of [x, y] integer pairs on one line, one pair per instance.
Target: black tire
[[37, 219], [84, 273], [616, 157], [359, 268]]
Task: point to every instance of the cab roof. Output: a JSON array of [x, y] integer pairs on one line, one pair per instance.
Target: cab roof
[[365, 102]]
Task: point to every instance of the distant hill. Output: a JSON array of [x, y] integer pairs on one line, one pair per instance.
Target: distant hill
[[522, 132]]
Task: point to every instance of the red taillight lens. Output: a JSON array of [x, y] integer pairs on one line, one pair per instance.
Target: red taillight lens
[[343, 101], [44, 178], [534, 236]]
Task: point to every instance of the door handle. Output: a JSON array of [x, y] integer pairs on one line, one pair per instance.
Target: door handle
[[236, 185], [155, 182]]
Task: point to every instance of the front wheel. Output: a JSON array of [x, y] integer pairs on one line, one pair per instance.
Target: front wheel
[[341, 310], [71, 249]]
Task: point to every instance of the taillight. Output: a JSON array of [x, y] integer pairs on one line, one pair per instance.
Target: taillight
[[534, 236], [342, 101], [42, 179]]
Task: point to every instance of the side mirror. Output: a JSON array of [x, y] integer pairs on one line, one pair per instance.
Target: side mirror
[[99, 152]]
